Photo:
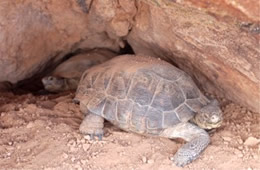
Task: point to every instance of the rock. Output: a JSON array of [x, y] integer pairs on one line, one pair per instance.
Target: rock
[[240, 141], [48, 104], [240, 155], [144, 159], [30, 125], [251, 141], [150, 161], [64, 155], [86, 146], [212, 51], [46, 34], [226, 138], [87, 137], [241, 9], [83, 162]]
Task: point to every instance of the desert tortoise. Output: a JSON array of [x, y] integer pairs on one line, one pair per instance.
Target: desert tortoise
[[146, 95], [67, 75]]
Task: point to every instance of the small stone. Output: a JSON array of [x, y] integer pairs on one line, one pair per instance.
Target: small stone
[[249, 168], [48, 104], [73, 149], [226, 143], [240, 147], [240, 155], [226, 138], [87, 137], [144, 159], [73, 159], [30, 125], [251, 141], [255, 157], [82, 141], [84, 162], [150, 161], [240, 141], [85, 146], [65, 155]]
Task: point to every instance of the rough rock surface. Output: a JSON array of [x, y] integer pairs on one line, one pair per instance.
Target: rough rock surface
[[218, 54], [247, 10], [34, 34]]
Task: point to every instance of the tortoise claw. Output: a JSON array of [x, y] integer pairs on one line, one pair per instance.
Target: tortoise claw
[[93, 136]]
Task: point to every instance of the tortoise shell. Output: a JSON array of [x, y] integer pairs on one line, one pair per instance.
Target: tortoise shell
[[139, 93]]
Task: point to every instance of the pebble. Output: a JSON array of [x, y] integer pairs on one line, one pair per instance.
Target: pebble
[[29, 125], [240, 155], [144, 159], [240, 147], [84, 162], [251, 141], [83, 141], [87, 137], [86, 146], [150, 161], [226, 138], [73, 149], [226, 143], [65, 155], [48, 104], [73, 159], [240, 141], [255, 157]]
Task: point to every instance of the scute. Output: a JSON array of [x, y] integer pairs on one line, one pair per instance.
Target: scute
[[119, 85], [168, 96], [138, 118], [143, 87], [102, 81], [194, 104], [124, 109], [96, 104], [109, 111], [170, 119], [154, 119], [184, 113], [188, 87]]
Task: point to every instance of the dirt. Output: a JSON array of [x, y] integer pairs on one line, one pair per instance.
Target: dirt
[[41, 132]]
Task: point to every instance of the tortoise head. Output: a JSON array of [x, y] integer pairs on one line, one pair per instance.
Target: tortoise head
[[53, 84], [209, 116]]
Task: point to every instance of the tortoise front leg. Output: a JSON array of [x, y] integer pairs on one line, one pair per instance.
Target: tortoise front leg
[[92, 125], [197, 138]]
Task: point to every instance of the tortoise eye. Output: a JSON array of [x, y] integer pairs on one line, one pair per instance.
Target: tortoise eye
[[214, 118]]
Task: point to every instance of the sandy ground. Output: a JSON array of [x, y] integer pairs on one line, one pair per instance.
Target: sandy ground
[[41, 132]]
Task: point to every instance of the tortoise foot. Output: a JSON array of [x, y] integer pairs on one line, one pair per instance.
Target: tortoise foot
[[181, 159], [92, 125]]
